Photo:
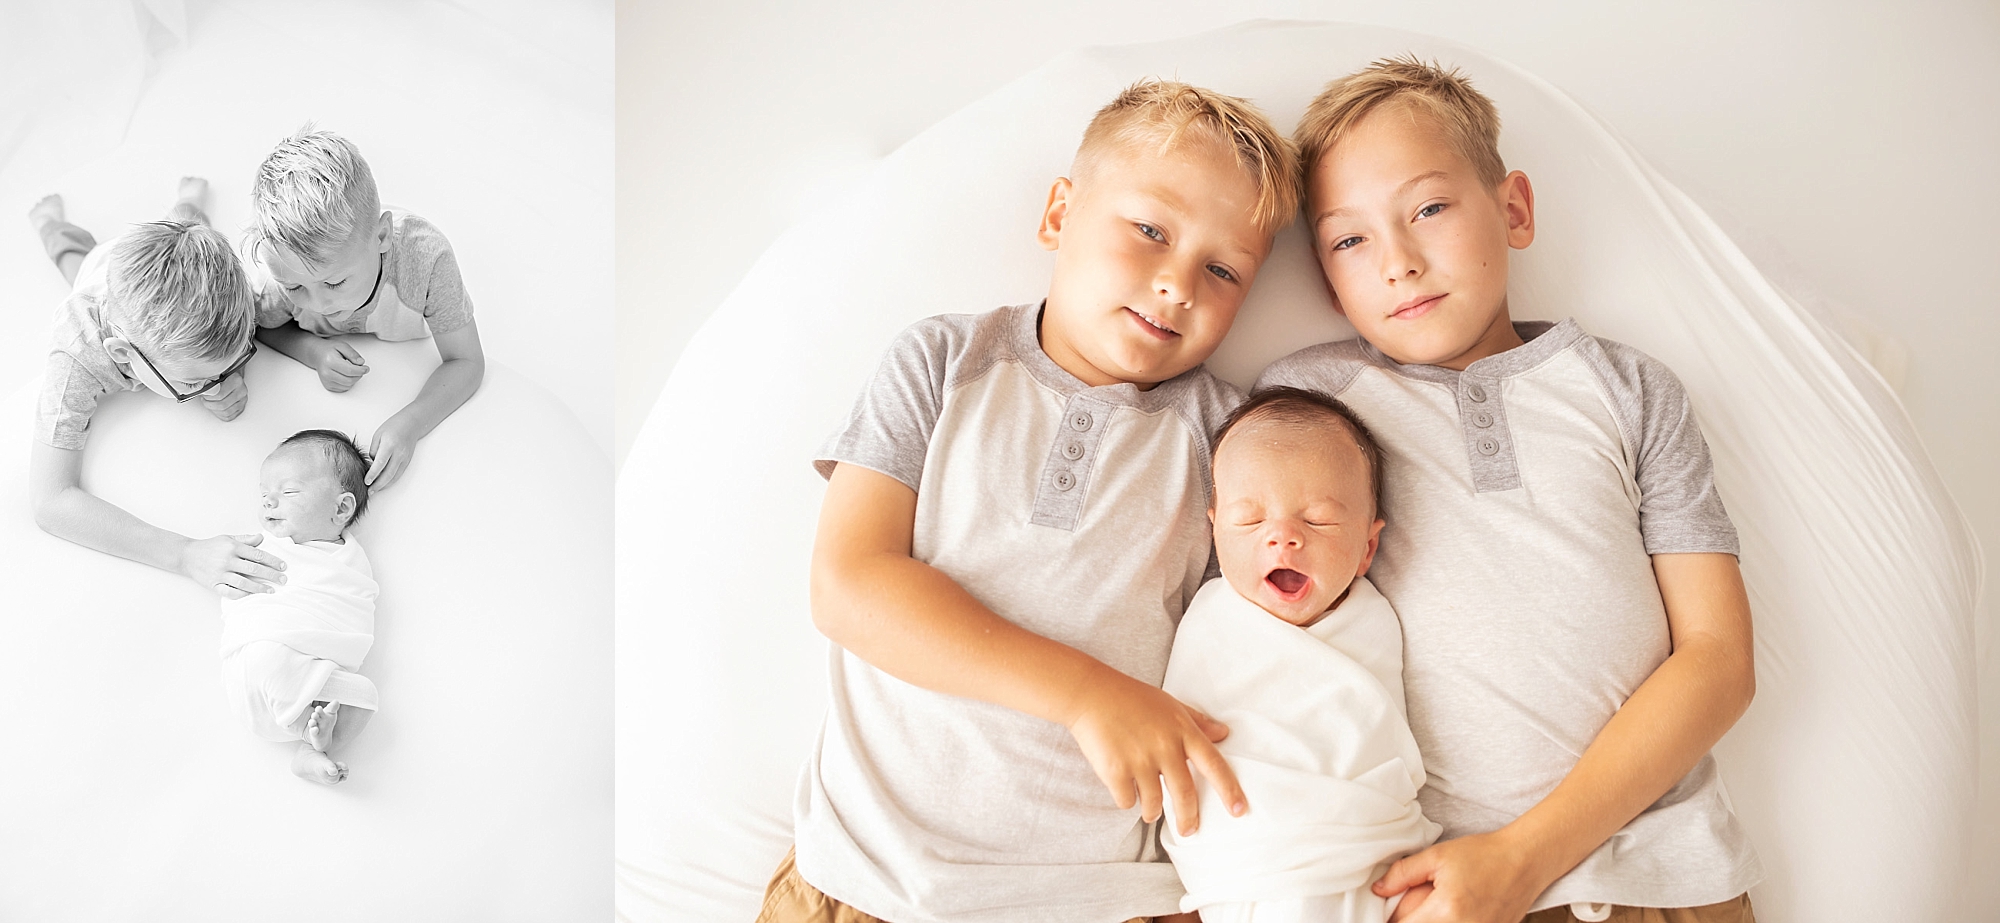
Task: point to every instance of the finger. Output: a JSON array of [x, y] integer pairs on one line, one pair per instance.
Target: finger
[[348, 352], [375, 469], [1187, 799], [1412, 899], [253, 539], [1119, 784], [1209, 762], [244, 584], [389, 476], [1213, 729], [1149, 796], [1408, 872], [229, 592], [254, 570]]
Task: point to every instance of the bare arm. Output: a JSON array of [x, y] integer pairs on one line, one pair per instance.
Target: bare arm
[[1665, 727], [450, 385], [916, 624], [231, 565]]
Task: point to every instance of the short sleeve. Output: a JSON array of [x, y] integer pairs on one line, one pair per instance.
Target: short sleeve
[[427, 276], [68, 400], [1680, 511], [889, 429], [273, 308], [1328, 368]]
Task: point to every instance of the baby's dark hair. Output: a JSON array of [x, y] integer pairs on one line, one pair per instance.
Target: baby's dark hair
[[1299, 407], [349, 463]]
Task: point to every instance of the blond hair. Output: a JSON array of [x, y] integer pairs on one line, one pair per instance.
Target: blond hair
[[177, 289], [1165, 114], [311, 195], [1470, 123]]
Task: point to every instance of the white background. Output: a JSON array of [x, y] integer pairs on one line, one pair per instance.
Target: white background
[[1859, 140]]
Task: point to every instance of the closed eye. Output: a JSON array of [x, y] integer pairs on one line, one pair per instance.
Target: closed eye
[[336, 284]]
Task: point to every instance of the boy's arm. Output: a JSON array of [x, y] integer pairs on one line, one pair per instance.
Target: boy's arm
[[448, 387], [338, 363], [915, 623], [1653, 740], [228, 564]]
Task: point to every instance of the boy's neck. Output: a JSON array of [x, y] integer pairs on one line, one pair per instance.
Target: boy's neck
[[1498, 338]]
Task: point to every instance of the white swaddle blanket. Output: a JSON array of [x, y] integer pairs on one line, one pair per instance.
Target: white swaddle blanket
[[281, 649], [1319, 739]]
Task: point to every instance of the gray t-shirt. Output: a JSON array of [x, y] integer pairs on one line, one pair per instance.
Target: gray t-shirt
[[418, 291], [79, 372], [1078, 513], [1525, 497]]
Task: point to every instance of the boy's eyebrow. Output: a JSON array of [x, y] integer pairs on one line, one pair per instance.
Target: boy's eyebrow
[[1407, 185]]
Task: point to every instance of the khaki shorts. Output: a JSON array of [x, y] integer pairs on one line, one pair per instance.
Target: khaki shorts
[[1734, 910], [789, 899]]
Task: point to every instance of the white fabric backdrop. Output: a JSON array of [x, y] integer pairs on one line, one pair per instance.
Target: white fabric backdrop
[[1854, 770]]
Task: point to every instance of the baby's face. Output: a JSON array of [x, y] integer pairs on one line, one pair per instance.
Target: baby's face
[[1154, 254], [303, 500], [342, 285], [1294, 519]]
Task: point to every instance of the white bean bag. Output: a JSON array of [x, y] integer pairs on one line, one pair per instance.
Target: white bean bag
[[1854, 769], [481, 789]]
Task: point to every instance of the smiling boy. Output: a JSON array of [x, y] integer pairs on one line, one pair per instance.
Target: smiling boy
[[1016, 516], [1576, 631], [339, 263]]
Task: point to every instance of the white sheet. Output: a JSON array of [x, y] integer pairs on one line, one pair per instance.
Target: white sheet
[[1854, 770], [1319, 742], [133, 793]]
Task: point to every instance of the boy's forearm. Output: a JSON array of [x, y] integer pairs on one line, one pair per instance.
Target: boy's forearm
[[292, 340], [1674, 718], [449, 386], [913, 622], [75, 515]]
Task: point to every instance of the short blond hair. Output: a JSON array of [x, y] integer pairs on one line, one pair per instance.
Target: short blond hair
[[178, 290], [311, 194], [1468, 120], [1157, 116]]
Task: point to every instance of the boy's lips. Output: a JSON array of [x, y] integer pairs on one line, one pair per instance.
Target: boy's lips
[[1416, 307], [1155, 326]]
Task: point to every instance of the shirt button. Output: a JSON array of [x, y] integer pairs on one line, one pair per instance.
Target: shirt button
[[1477, 393], [1080, 421], [1482, 419], [1065, 480], [1073, 451], [1487, 446]]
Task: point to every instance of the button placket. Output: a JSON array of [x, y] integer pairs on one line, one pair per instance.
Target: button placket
[[1066, 471], [1488, 441]]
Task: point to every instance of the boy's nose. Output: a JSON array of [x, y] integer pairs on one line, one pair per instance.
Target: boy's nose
[[1400, 260], [1171, 283]]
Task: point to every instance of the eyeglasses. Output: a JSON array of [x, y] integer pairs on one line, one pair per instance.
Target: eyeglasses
[[180, 398]]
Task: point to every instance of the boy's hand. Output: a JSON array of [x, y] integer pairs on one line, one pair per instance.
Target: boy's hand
[[232, 565], [1134, 734], [227, 400], [394, 443], [340, 365], [1482, 878]]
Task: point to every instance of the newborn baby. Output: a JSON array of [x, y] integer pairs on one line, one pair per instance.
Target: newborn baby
[[289, 657], [1303, 659]]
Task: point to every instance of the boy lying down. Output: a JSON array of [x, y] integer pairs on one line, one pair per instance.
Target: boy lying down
[[289, 657]]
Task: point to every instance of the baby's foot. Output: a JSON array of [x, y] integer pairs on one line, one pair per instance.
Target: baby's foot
[[319, 725], [193, 190], [49, 209], [313, 766]]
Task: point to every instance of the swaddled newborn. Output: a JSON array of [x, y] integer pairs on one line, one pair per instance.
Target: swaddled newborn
[[289, 657], [1299, 655]]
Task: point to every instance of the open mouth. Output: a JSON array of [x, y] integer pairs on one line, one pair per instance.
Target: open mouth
[[1289, 583], [1159, 327]]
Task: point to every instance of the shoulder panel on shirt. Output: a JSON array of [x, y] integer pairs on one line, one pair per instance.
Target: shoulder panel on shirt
[[889, 429], [1679, 508], [1328, 368], [427, 268]]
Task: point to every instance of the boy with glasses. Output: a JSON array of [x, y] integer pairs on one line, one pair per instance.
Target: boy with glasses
[[164, 307]]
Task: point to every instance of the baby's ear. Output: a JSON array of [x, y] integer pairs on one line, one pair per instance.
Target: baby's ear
[[343, 508]]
